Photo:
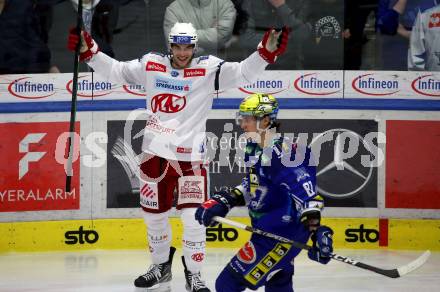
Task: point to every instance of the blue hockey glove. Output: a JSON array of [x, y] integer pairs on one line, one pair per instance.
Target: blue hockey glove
[[322, 245], [219, 205]]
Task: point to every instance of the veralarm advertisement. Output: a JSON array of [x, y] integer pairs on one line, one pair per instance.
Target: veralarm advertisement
[[32, 168]]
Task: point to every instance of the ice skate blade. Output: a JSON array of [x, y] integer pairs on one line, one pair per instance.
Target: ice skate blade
[[161, 287]]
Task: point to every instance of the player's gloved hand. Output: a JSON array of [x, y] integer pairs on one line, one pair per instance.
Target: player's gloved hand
[[322, 245], [219, 205], [274, 43], [88, 45]]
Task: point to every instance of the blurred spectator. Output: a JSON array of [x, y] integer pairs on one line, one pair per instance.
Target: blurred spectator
[[44, 9], [213, 20], [100, 18], [264, 14], [241, 19], [22, 46], [324, 49], [155, 12], [356, 17], [425, 41], [396, 18]]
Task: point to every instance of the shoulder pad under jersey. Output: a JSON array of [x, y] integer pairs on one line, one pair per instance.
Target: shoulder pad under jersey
[[208, 61], [155, 56], [158, 54], [201, 58]]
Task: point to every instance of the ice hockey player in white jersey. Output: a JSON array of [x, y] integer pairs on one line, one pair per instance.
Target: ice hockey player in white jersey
[[179, 94], [424, 49]]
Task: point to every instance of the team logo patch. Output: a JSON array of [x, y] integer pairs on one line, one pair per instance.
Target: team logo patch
[[183, 150], [167, 103], [153, 66], [191, 190], [148, 196], [174, 73], [434, 20], [198, 257], [172, 85], [247, 253], [194, 72]]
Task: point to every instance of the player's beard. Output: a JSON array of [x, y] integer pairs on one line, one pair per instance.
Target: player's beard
[[178, 65]]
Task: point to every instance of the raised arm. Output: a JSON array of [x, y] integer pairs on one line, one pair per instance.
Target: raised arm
[[110, 69], [233, 74]]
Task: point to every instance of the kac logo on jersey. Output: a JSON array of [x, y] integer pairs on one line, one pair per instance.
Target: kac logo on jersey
[[198, 257], [167, 103], [153, 66], [426, 85]]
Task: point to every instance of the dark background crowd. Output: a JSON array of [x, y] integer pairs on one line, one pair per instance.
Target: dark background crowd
[[325, 34]]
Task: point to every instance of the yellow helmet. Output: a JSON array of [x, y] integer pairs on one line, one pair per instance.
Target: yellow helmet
[[259, 105]]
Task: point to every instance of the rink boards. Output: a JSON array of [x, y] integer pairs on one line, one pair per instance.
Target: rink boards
[[350, 233], [398, 127]]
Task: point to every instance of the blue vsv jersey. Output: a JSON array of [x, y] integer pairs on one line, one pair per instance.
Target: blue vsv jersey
[[280, 185]]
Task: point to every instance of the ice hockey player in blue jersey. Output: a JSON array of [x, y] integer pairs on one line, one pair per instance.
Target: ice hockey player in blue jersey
[[280, 193]]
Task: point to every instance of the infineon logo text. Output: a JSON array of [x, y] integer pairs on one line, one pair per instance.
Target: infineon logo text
[[313, 84], [87, 88], [24, 88], [264, 86], [368, 84], [426, 85]]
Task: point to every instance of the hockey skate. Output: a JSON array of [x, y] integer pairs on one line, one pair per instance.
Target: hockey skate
[[157, 276], [194, 281]]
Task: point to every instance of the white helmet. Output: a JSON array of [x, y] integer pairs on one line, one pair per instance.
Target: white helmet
[[183, 33]]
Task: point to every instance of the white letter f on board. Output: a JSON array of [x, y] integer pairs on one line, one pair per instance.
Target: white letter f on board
[[23, 164]]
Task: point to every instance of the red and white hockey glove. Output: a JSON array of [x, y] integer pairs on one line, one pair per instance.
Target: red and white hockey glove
[[274, 43], [88, 45]]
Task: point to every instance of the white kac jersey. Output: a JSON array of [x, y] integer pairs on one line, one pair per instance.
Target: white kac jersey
[[424, 51], [178, 101]]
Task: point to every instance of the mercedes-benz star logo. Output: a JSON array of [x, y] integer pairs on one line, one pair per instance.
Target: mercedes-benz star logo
[[339, 172]]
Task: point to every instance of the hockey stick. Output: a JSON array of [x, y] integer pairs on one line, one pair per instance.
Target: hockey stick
[[392, 273], [70, 140]]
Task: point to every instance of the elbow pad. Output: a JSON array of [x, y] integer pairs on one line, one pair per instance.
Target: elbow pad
[[238, 196], [310, 215]]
